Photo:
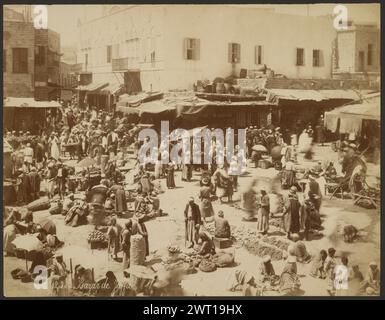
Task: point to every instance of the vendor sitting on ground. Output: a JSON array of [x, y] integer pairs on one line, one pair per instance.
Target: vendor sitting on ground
[[330, 173], [141, 205], [222, 226], [266, 270], [371, 284], [298, 249], [207, 244]]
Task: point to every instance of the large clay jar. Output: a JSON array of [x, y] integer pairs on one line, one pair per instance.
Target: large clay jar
[[220, 88]]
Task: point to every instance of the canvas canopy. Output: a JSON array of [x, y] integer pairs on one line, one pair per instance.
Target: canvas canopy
[[29, 103], [352, 115]]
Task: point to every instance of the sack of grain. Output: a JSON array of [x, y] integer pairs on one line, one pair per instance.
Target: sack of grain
[[223, 259], [39, 204], [56, 207], [137, 250]]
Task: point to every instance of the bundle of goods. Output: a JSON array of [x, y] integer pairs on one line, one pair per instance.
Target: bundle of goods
[[39, 204], [207, 265], [77, 215], [137, 250], [223, 259], [56, 207], [97, 239]]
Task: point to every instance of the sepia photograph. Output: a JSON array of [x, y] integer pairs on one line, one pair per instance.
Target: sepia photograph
[[191, 150]]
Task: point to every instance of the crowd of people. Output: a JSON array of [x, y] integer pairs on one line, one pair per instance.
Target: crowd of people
[[104, 145]]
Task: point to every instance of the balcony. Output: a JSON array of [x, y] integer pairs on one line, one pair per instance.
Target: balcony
[[120, 64]]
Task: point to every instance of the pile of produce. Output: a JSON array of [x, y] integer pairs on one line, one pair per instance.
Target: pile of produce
[[173, 249], [283, 244], [96, 236], [260, 245]]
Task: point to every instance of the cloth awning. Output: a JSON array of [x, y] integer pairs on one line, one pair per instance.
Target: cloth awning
[[92, 86], [351, 116], [29, 103], [126, 100], [113, 88], [311, 95], [153, 107]]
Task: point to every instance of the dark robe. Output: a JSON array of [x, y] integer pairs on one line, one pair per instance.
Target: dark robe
[[120, 198], [24, 191], [222, 228], [192, 217], [292, 215], [34, 180], [206, 206], [170, 177]]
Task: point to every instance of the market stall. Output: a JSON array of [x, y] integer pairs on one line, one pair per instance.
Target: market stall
[[27, 114]]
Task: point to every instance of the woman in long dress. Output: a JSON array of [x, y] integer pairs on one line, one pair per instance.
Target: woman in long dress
[[249, 201], [221, 182], [206, 207], [263, 213], [114, 232], [289, 282], [55, 152], [170, 176], [186, 172], [303, 142]]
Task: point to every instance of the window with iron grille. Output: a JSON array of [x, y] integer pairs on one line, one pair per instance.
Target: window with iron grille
[[20, 60], [300, 57]]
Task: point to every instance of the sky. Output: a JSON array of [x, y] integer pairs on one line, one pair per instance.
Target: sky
[[64, 18]]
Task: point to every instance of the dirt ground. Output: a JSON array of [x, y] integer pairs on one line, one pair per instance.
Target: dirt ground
[[168, 230]]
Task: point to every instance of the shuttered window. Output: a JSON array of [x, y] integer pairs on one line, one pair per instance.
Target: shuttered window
[[20, 60], [234, 53], [191, 49], [317, 58], [300, 57], [258, 55], [109, 54], [370, 54]]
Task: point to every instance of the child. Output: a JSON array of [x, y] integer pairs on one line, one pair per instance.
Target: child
[[317, 268]]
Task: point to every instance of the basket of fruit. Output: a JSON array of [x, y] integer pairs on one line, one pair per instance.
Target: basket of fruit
[[97, 240]]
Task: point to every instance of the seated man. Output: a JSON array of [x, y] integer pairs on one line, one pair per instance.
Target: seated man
[[207, 244], [222, 226]]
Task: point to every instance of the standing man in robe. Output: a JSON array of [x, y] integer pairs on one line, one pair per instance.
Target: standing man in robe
[[192, 217], [291, 216]]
